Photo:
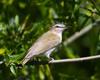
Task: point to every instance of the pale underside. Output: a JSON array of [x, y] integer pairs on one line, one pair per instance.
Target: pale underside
[[45, 43]]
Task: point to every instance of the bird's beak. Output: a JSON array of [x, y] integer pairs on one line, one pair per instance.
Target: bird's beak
[[67, 27]]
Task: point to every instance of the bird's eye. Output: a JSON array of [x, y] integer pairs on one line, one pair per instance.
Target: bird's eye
[[57, 26]]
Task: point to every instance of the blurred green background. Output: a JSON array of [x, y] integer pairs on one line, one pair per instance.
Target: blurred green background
[[23, 21]]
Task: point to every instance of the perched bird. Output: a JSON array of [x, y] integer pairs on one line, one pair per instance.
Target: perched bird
[[46, 43]]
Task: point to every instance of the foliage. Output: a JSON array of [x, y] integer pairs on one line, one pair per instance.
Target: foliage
[[23, 21]]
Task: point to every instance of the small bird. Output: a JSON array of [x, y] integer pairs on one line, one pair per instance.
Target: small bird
[[45, 44]]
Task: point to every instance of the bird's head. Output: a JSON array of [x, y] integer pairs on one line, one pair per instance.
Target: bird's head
[[58, 28]]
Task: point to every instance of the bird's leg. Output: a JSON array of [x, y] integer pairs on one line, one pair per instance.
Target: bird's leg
[[47, 54]]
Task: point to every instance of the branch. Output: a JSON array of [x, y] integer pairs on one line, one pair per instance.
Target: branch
[[81, 32], [75, 60]]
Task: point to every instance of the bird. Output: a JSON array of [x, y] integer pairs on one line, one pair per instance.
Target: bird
[[46, 43]]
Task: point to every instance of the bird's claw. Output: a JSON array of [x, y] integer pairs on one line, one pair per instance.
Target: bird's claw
[[51, 59]]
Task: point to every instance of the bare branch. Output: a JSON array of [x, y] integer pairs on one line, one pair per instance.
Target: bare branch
[[75, 60], [81, 32]]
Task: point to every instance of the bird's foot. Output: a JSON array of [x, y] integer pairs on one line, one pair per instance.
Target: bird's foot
[[51, 59]]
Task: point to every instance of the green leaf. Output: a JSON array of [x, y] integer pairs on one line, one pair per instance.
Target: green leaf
[[17, 20], [12, 69]]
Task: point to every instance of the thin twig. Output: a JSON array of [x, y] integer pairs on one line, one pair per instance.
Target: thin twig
[[75, 60], [81, 32]]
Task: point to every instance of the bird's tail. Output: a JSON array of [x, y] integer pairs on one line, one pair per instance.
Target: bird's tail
[[27, 58], [24, 61]]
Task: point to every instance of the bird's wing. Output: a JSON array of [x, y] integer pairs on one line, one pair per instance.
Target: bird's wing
[[43, 44]]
